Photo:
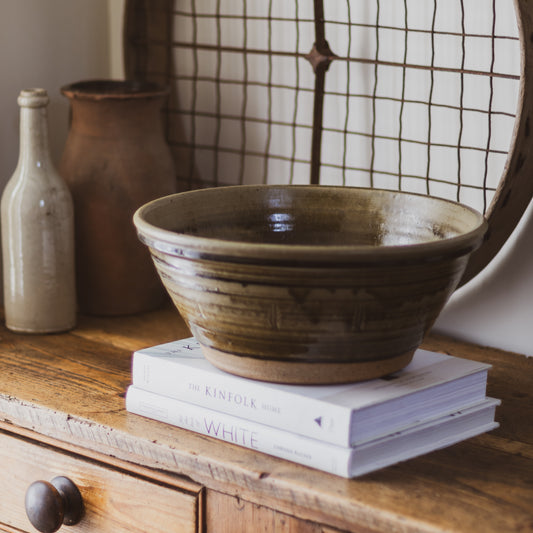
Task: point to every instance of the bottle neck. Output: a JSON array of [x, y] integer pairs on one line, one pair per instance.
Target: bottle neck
[[34, 148]]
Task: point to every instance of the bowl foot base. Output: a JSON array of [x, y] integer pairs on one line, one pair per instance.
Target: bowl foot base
[[305, 373]]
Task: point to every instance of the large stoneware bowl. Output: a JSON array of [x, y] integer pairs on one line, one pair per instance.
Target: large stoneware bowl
[[308, 284]]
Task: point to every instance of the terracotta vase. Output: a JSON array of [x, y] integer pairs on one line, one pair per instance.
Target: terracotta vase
[[115, 159]]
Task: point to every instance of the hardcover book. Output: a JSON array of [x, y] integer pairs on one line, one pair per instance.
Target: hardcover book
[[431, 386], [343, 461]]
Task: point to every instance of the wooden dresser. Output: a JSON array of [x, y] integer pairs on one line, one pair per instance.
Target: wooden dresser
[[62, 414]]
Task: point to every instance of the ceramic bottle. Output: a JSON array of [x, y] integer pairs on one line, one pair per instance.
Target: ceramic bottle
[[37, 231]]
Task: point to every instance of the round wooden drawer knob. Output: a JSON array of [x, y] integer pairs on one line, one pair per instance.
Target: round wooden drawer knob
[[49, 505]]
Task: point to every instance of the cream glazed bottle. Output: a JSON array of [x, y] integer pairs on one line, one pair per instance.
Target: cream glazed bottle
[[37, 231]]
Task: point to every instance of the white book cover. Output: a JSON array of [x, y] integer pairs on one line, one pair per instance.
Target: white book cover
[[432, 385], [342, 461]]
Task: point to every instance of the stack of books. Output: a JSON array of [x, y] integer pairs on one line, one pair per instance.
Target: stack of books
[[347, 430]]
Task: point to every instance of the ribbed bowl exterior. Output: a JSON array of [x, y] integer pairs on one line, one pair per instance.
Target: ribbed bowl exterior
[[309, 314]]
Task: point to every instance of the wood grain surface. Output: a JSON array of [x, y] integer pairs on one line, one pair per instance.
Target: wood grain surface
[[69, 389]]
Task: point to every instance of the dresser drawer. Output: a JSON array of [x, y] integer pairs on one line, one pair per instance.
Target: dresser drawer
[[114, 501]]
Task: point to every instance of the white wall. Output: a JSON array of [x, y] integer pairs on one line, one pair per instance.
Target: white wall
[[115, 26], [47, 44]]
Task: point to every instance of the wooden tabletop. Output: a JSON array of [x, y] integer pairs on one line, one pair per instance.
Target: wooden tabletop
[[68, 390]]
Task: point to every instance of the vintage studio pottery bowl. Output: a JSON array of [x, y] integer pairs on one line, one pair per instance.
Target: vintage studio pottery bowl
[[308, 284]]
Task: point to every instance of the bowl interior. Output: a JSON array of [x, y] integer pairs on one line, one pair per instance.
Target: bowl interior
[[311, 216]]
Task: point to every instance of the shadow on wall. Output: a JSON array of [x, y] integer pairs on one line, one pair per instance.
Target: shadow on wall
[[496, 308]]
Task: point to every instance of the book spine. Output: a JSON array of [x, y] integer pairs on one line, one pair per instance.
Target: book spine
[[306, 416], [278, 443]]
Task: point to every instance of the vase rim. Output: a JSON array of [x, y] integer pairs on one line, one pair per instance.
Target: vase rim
[[114, 89]]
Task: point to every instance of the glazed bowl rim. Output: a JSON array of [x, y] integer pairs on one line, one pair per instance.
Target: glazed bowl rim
[[199, 247]]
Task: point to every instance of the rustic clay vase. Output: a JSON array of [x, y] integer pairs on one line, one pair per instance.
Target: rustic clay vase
[[115, 160], [37, 231], [309, 284]]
